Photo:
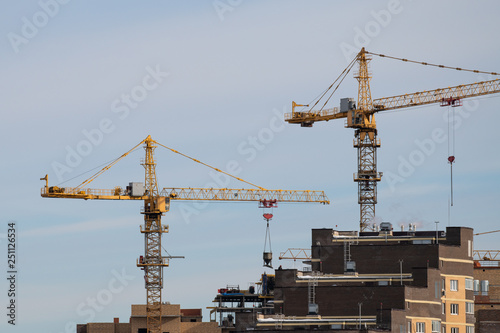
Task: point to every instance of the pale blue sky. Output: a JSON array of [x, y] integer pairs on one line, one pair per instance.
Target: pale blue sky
[[222, 78]]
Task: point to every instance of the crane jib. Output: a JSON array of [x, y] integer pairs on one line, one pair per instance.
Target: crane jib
[[200, 194]]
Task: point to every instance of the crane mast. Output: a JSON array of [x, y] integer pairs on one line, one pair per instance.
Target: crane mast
[[362, 120], [366, 144], [152, 262]]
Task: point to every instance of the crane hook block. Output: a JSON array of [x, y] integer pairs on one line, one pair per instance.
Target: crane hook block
[[268, 216], [272, 203], [451, 159]]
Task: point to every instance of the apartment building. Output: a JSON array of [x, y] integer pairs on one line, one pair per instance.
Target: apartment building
[[399, 281]]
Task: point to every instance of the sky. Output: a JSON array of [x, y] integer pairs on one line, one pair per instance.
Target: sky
[[85, 81]]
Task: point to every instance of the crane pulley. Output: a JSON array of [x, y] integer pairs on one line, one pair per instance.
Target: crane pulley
[[361, 117], [157, 202]]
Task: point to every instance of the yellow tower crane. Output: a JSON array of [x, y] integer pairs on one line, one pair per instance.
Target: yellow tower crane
[[361, 117], [157, 202]]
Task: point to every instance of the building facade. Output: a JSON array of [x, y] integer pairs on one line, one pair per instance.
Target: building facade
[[487, 291], [407, 281]]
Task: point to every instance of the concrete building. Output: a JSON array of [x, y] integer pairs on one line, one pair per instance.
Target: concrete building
[[175, 320], [385, 281], [407, 281]]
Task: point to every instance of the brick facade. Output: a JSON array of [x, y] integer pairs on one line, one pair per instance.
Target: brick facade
[[400, 278], [487, 304]]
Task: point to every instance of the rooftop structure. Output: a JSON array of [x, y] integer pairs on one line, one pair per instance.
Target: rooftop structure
[[406, 281], [174, 319]]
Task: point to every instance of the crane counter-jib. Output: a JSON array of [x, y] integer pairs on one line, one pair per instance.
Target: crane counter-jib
[[87, 194]]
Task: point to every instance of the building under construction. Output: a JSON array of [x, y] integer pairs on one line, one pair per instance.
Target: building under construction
[[174, 319], [376, 279], [381, 281], [406, 281], [487, 291]]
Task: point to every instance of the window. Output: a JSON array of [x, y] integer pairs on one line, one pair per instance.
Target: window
[[469, 307], [469, 329], [485, 286], [422, 241], [454, 330], [469, 284], [401, 328], [454, 285], [454, 310], [420, 328], [476, 287], [469, 252], [443, 308], [409, 327], [437, 291], [443, 285], [436, 326]]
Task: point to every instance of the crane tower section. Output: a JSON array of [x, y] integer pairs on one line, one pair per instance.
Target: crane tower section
[[152, 262], [366, 143]]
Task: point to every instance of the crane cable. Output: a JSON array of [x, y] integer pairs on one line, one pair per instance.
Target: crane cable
[[113, 162], [211, 167], [81, 174], [338, 85], [97, 174], [435, 65], [268, 231], [451, 148], [267, 238], [344, 74]]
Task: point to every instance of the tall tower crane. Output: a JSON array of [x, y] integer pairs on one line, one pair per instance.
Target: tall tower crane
[[156, 203], [361, 118]]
